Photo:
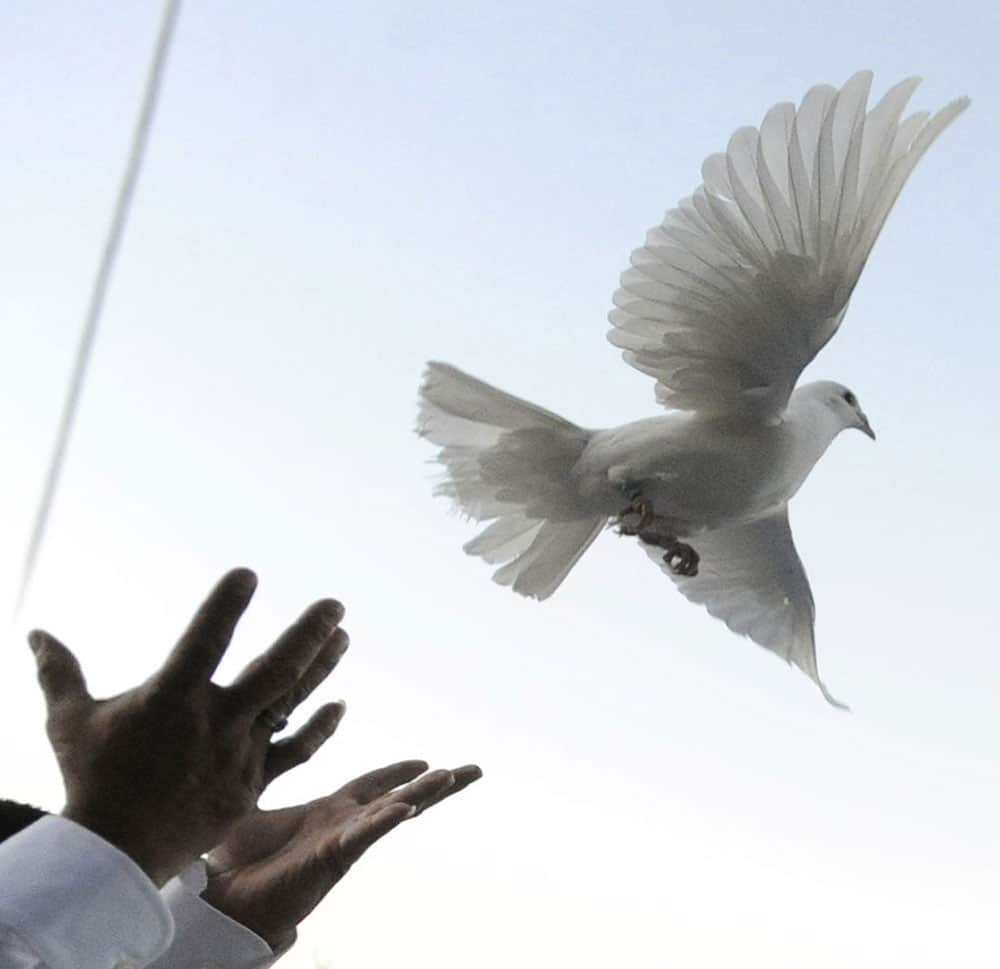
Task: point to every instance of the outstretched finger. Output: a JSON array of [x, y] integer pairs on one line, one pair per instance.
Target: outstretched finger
[[200, 650], [423, 790], [463, 777], [374, 784], [297, 749], [321, 667], [361, 834], [59, 673], [271, 676]]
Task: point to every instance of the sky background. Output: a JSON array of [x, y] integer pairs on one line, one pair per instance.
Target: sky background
[[336, 193]]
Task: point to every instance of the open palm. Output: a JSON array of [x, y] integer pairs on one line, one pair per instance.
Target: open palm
[[276, 866]]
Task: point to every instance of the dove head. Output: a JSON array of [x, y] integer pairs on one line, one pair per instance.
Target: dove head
[[840, 405]]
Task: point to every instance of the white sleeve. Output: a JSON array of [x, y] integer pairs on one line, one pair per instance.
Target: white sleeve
[[204, 936], [70, 900]]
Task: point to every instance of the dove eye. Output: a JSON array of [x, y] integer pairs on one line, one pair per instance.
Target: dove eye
[[851, 399]]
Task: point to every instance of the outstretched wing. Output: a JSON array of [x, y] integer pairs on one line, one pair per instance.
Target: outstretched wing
[[751, 578], [744, 283]]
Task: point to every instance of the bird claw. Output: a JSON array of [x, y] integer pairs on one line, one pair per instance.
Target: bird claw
[[682, 559], [679, 557], [640, 506]]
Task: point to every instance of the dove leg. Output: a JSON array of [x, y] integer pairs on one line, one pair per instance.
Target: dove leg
[[678, 556], [640, 506], [682, 559]]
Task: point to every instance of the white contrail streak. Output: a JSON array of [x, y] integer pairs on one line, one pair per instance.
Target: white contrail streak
[[116, 229]]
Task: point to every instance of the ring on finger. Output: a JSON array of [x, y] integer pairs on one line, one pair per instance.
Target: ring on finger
[[272, 720]]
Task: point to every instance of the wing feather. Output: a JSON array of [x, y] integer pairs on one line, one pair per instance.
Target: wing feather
[[775, 175], [746, 280], [750, 576]]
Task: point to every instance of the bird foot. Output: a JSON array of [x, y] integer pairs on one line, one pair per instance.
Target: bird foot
[[640, 506], [679, 557]]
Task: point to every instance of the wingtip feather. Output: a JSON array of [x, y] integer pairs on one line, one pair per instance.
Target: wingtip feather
[[832, 700]]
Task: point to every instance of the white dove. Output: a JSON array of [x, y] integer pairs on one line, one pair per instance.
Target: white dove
[[730, 298]]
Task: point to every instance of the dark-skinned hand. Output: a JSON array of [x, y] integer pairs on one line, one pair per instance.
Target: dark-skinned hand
[[164, 770], [275, 867]]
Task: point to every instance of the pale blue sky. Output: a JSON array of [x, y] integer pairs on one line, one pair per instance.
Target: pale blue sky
[[334, 194]]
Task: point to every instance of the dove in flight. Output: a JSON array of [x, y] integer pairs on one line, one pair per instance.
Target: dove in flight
[[731, 296]]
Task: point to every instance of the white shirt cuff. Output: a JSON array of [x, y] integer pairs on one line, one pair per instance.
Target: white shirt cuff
[[204, 936], [74, 900]]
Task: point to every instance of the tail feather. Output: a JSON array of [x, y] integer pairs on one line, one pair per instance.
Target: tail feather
[[555, 549], [505, 539], [452, 402], [511, 462]]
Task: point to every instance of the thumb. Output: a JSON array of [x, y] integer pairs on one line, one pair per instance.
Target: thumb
[[59, 673]]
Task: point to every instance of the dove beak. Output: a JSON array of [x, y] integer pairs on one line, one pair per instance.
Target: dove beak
[[864, 426]]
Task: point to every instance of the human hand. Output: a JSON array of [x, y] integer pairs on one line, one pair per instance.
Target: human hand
[[275, 867], [163, 770]]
